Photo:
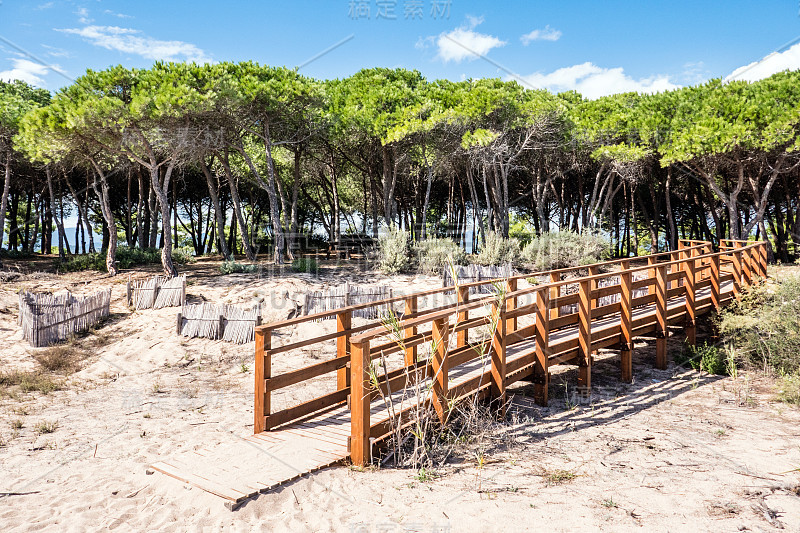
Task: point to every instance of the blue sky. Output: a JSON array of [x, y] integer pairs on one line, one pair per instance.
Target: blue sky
[[594, 47]]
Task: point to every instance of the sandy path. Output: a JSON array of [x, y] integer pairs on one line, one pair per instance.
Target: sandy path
[[672, 452]]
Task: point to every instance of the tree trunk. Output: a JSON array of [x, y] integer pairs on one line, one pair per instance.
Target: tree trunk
[[219, 214], [293, 226], [101, 189], [160, 187], [140, 209], [424, 223], [151, 203], [274, 215], [237, 208], [4, 200], [673, 230]]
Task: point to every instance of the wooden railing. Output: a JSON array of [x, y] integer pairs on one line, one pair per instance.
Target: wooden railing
[[640, 300]]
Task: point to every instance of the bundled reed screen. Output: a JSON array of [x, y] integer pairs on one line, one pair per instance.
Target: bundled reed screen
[[346, 295], [229, 323], [157, 292], [49, 318], [472, 273]]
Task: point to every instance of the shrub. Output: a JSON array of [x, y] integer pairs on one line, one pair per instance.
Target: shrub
[[789, 390], [563, 249], [232, 267], [764, 327], [305, 264], [62, 358], [44, 427], [707, 358], [434, 254], [394, 251], [498, 250], [29, 381], [125, 257]]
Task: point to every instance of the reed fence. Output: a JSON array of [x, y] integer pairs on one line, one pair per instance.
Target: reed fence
[[475, 273], [157, 292], [346, 295], [49, 318], [229, 323]]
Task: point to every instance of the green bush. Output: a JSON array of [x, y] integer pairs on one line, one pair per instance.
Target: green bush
[[707, 358], [789, 390], [305, 264], [77, 263], [394, 251], [435, 254], [764, 325], [564, 249], [497, 250], [126, 258], [232, 267]]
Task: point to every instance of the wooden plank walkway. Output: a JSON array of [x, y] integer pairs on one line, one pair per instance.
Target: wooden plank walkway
[[255, 464], [247, 466]]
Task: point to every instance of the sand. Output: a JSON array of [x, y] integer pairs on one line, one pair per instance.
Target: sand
[[674, 451]]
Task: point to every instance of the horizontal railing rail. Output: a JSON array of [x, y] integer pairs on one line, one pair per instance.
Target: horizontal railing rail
[[565, 321]]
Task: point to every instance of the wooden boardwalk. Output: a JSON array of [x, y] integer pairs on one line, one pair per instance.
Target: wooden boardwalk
[[348, 423]]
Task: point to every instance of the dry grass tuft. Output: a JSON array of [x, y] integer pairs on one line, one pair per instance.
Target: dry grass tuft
[[36, 381], [61, 359], [45, 427], [558, 476]]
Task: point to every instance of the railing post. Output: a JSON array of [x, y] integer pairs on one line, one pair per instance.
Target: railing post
[[343, 323], [462, 337], [763, 263], [359, 403], [594, 303], [408, 332], [262, 373], [661, 317], [715, 295], [737, 271], [511, 304], [440, 368], [691, 300], [593, 271], [541, 369], [626, 323], [584, 338], [747, 268], [498, 357], [555, 292], [651, 273]]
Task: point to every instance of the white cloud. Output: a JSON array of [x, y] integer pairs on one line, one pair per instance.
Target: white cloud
[[593, 81], [83, 16], [132, 41], [25, 70], [775, 62], [545, 34], [695, 72], [465, 43], [118, 15], [54, 51]]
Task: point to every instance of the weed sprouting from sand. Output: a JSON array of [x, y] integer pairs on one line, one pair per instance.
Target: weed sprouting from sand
[[45, 427], [17, 424], [558, 476], [62, 358], [419, 439], [34, 381], [610, 503]]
